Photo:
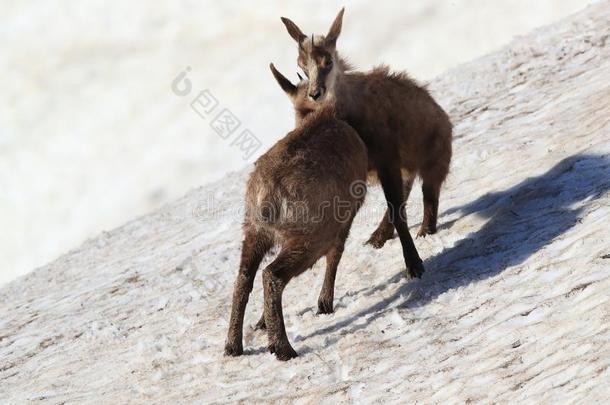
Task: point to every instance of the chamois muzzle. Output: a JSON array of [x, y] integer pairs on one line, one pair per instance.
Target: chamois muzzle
[[316, 93]]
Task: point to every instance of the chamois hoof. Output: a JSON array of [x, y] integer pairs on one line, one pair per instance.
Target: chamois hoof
[[416, 270], [233, 350], [377, 239], [423, 231], [283, 353], [260, 325], [325, 306]]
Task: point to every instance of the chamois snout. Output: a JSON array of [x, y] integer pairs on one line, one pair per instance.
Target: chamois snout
[[316, 92]]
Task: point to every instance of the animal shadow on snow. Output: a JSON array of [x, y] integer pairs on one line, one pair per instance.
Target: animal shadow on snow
[[522, 220]]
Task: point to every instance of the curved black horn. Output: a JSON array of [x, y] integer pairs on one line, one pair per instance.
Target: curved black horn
[[284, 83]]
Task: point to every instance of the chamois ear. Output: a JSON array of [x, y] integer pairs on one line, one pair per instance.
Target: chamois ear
[[294, 31], [335, 30], [284, 83]]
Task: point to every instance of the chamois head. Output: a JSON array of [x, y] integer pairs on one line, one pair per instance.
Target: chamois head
[[298, 94], [318, 57]]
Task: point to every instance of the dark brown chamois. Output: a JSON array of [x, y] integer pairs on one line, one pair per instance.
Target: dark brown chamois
[[302, 195], [404, 129]]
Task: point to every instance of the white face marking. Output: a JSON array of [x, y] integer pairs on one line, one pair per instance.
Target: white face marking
[[331, 80], [313, 70]]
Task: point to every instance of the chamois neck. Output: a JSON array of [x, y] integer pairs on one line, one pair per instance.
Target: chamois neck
[[344, 67], [341, 92]]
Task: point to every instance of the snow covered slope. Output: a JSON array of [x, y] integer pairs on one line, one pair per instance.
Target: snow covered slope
[[515, 303], [91, 134]]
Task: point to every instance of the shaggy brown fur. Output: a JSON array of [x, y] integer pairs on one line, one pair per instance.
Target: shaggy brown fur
[[303, 195], [404, 129]]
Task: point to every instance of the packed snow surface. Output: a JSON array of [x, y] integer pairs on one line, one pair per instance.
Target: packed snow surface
[[91, 134], [514, 304]]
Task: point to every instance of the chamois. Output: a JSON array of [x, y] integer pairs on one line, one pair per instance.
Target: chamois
[[403, 127], [303, 195]]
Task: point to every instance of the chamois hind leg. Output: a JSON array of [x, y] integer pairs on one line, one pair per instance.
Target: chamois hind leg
[[327, 293], [333, 257], [385, 230], [290, 262], [433, 175], [431, 195], [432, 180], [254, 248]]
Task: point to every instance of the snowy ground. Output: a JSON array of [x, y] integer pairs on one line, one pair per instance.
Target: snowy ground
[[91, 135], [514, 306]]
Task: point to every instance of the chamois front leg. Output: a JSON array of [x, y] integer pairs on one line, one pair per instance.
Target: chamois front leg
[[327, 293], [333, 257], [383, 233], [385, 230], [391, 181]]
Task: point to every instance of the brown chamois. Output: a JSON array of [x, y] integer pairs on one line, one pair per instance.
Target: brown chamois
[[404, 129], [302, 195]]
